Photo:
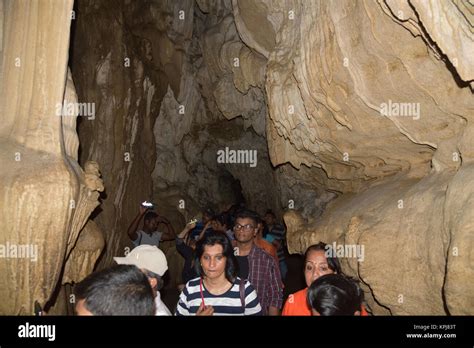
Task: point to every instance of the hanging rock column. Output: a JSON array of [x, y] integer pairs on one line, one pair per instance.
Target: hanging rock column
[[44, 197]]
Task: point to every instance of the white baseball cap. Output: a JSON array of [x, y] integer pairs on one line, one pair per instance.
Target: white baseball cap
[[146, 256]]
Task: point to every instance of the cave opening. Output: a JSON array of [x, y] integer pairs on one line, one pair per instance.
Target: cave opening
[[231, 188]]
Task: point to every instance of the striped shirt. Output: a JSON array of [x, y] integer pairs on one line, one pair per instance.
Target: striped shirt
[[228, 303]]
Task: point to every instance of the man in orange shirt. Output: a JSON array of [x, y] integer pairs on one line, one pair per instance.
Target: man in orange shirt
[[263, 244]]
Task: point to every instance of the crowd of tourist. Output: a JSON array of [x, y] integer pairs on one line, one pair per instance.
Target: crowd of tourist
[[234, 264]]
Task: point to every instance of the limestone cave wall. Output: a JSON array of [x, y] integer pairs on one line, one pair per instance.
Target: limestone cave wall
[[46, 197], [360, 113], [304, 83]]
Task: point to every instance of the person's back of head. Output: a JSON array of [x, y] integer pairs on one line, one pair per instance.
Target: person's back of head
[[150, 260], [118, 290], [335, 294]]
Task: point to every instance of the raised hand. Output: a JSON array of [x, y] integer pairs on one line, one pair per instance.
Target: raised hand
[[190, 226], [143, 209]]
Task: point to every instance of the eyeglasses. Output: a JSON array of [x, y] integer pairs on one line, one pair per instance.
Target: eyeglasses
[[246, 228]]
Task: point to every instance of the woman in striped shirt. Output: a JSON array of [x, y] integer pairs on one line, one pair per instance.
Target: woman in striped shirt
[[217, 291]]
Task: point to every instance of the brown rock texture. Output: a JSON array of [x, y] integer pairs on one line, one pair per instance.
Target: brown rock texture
[[45, 199], [162, 118], [360, 114], [354, 107], [335, 74]]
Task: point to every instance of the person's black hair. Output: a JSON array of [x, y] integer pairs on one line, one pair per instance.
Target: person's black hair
[[247, 214], [210, 238], [264, 226], [223, 219], [269, 211], [150, 215], [232, 211], [333, 262], [159, 279], [335, 294], [118, 290], [209, 212], [234, 208]]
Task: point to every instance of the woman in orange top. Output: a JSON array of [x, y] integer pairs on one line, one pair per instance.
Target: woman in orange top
[[316, 264]]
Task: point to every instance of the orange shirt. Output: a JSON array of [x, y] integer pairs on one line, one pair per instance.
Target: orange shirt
[[296, 305], [268, 247]]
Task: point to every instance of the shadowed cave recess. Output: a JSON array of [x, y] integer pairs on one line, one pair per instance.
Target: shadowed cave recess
[[351, 120]]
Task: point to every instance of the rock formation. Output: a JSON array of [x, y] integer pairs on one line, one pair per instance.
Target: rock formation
[[362, 104], [46, 199], [360, 113], [338, 74]]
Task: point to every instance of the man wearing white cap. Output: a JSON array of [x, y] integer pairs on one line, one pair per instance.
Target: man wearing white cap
[[152, 262]]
